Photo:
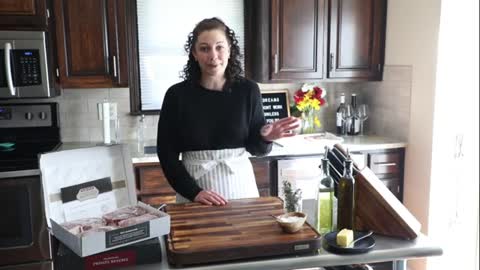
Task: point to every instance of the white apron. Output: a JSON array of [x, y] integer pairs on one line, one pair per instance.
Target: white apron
[[228, 172]]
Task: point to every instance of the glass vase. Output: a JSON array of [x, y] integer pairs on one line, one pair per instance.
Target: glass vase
[[308, 122]]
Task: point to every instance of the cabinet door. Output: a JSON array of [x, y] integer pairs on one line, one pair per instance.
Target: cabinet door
[[262, 171], [87, 33], [297, 30], [357, 37], [388, 165], [23, 15], [152, 185]]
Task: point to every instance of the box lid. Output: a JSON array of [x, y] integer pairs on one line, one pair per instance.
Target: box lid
[[73, 167]]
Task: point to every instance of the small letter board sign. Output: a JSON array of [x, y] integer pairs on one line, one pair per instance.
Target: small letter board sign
[[275, 105]]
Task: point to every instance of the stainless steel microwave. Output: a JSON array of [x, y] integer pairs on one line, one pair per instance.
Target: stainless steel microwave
[[24, 65]]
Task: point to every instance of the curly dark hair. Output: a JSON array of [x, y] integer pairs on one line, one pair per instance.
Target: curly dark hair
[[191, 71]]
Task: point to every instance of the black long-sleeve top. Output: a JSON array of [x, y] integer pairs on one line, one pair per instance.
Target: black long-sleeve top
[[194, 118]]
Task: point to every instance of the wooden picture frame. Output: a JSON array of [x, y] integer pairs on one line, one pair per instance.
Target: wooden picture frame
[[276, 105]]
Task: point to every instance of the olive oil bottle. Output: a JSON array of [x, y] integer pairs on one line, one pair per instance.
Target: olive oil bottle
[[326, 199], [346, 197]]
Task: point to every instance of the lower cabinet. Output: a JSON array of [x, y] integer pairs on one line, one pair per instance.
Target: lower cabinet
[[263, 175], [153, 187], [388, 166]]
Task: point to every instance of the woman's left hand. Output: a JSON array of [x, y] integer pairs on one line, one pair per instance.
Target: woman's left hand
[[279, 129]]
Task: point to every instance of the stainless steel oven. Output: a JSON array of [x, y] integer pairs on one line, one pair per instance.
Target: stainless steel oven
[[25, 131], [24, 65]]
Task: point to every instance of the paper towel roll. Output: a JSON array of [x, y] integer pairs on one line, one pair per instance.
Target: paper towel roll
[[106, 123]]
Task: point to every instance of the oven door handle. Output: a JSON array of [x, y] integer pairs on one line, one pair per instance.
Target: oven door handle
[[8, 68]]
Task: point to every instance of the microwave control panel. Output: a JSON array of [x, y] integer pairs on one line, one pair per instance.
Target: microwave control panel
[[26, 67]]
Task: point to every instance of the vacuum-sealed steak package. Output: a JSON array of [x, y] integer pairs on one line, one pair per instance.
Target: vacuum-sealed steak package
[[115, 217], [79, 226]]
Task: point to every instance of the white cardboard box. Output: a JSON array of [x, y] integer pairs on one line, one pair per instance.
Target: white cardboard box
[[73, 167]]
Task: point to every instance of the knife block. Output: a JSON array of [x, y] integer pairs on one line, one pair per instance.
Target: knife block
[[377, 209]]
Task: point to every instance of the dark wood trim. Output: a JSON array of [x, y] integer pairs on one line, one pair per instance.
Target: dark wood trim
[[133, 60], [380, 39], [111, 33], [122, 43], [133, 57], [257, 39], [51, 45]]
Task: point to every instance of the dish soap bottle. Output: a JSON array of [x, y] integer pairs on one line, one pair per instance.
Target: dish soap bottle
[[326, 198], [346, 197]]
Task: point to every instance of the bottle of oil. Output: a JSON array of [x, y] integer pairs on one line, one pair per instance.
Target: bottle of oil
[[326, 198], [346, 197]]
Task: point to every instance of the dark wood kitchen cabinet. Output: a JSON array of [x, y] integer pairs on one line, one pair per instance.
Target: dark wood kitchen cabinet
[[153, 187], [292, 40], [357, 39], [297, 39], [388, 166], [91, 43], [262, 168], [284, 39], [23, 15]]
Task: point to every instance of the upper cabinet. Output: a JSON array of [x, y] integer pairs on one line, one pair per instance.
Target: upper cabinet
[[289, 40], [356, 39], [91, 43], [297, 39], [23, 15]]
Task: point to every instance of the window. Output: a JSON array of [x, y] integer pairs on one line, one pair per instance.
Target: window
[[163, 27]]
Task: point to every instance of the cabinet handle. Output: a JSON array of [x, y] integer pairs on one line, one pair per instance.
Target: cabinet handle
[[8, 68], [331, 61], [379, 67], [386, 164], [276, 63], [57, 72], [114, 66]]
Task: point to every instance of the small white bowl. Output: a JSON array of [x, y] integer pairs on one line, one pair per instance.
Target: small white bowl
[[291, 222]]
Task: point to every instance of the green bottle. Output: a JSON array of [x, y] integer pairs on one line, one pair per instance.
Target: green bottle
[[326, 197], [346, 197]]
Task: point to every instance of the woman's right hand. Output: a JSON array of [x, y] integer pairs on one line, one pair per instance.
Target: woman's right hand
[[209, 197]]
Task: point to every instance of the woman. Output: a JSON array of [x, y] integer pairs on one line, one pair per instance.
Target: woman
[[213, 118]]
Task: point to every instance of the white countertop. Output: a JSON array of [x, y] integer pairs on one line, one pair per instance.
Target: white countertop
[[294, 146]]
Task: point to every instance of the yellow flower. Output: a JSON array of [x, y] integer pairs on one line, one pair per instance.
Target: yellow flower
[[317, 122]]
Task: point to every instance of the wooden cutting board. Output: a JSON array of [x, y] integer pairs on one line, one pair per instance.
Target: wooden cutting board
[[242, 229]]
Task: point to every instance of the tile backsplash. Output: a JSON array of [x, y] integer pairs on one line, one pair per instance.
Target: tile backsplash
[[388, 100]]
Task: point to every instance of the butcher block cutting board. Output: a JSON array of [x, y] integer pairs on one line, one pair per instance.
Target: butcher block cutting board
[[242, 229]]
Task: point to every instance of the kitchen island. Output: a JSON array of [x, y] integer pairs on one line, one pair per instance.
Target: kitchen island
[[386, 249]]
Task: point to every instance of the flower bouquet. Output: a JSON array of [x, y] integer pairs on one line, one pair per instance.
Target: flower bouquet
[[309, 99]]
